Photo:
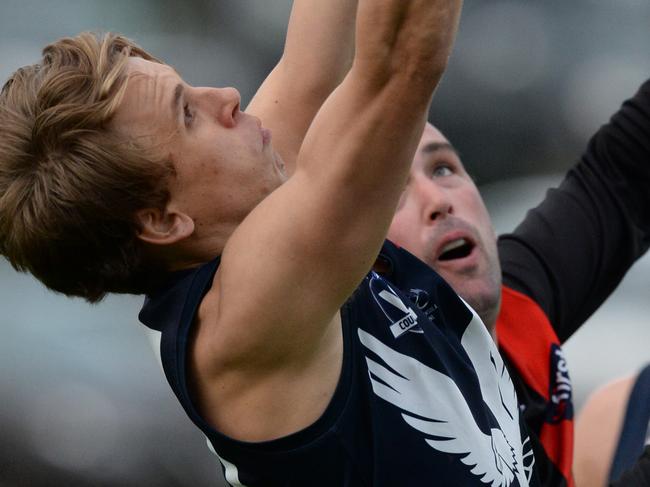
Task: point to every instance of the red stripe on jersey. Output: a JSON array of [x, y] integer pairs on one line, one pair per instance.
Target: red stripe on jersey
[[525, 336]]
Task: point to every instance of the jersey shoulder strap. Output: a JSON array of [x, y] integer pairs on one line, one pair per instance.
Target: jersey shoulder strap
[[636, 426]]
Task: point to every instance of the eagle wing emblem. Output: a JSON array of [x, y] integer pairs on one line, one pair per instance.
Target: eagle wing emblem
[[432, 403]]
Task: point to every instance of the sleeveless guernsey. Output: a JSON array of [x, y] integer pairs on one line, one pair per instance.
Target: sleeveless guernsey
[[424, 397], [635, 433]]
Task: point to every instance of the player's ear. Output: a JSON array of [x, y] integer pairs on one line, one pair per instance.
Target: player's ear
[[162, 227]]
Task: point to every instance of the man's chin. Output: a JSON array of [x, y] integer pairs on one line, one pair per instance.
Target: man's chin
[[483, 295]]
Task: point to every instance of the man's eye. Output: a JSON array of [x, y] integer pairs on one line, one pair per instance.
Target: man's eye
[[187, 113], [441, 171]]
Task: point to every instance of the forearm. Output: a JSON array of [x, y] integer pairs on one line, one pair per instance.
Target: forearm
[[318, 53], [401, 51], [319, 47], [409, 40], [571, 251]]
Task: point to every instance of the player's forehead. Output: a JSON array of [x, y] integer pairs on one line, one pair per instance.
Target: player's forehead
[[433, 144], [149, 79], [143, 67], [149, 88], [431, 139]]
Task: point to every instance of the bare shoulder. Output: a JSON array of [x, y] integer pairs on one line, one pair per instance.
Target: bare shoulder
[[597, 430], [251, 395]]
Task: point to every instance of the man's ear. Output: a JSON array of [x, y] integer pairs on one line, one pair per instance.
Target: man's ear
[[160, 227]]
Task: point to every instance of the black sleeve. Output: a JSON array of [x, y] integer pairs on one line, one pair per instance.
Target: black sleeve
[[638, 475], [571, 251]]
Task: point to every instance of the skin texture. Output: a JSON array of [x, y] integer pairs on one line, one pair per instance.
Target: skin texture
[[191, 130], [440, 205]]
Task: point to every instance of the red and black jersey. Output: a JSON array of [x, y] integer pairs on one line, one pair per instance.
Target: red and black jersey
[[562, 262], [532, 350]]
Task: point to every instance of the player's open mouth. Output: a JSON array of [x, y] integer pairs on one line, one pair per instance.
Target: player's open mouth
[[456, 249]]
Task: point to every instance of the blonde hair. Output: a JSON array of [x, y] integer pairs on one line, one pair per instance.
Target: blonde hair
[[69, 185]]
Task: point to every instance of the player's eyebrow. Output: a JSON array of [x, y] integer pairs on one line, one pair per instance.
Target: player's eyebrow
[[175, 103], [437, 146]]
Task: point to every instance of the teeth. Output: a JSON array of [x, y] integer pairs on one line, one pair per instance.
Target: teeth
[[454, 244]]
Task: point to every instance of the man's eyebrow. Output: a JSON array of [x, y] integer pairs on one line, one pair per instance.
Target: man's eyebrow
[[438, 146], [175, 105]]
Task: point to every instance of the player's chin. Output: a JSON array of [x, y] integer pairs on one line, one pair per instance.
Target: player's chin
[[480, 291]]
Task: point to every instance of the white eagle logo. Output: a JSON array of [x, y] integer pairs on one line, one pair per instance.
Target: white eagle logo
[[422, 392]]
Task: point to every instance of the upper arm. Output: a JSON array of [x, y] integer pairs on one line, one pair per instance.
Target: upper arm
[[572, 251]]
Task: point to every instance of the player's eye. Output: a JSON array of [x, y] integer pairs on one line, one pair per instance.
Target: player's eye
[[188, 115], [442, 170]]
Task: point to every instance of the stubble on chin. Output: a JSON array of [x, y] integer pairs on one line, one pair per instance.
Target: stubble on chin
[[481, 289]]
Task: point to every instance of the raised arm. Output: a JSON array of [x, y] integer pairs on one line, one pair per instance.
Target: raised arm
[[317, 54], [350, 172], [576, 246], [271, 315]]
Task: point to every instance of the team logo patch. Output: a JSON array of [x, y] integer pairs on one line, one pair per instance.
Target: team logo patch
[[422, 300], [402, 316]]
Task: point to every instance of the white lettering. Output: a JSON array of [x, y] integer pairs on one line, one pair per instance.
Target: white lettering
[[404, 324]]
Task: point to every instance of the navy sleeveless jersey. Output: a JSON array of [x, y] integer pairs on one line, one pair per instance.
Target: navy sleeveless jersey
[[424, 397], [635, 432]]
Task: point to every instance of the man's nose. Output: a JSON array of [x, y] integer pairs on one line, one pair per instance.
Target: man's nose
[[435, 201], [226, 103]]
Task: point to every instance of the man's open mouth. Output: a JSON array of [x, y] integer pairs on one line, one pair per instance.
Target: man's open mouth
[[456, 249]]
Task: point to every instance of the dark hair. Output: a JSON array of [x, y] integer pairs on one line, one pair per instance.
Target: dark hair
[[69, 185]]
